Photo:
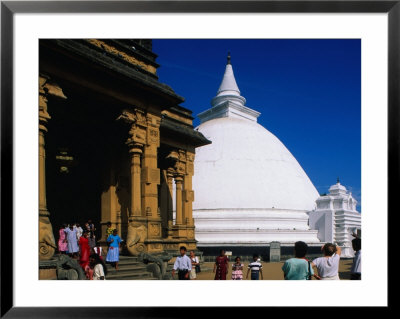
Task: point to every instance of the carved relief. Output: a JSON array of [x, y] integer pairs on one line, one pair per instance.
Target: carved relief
[[123, 55], [137, 233], [180, 168], [47, 244], [188, 195], [155, 230], [150, 175]]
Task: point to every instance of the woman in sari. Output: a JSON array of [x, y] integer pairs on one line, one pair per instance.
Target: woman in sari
[[221, 266], [62, 241], [85, 253]]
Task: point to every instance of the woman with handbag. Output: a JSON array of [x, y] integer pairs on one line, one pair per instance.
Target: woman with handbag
[[195, 265]]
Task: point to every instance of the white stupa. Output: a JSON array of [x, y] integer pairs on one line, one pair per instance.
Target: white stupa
[[336, 218], [249, 189]]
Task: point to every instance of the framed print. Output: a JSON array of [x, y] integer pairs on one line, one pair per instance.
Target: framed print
[[53, 39]]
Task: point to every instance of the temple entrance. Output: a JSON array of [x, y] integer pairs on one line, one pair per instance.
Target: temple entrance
[[83, 145]]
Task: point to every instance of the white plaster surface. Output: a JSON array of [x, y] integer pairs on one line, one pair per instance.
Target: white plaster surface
[[249, 189], [246, 166]]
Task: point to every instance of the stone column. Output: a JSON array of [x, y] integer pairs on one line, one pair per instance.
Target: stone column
[[137, 231], [178, 200], [188, 191], [150, 182], [136, 207], [170, 178], [47, 245]]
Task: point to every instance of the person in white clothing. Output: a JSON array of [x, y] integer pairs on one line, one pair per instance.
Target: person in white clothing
[[79, 231], [195, 261], [328, 266], [99, 269], [182, 264]]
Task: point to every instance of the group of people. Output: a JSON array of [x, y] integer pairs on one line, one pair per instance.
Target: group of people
[[188, 266], [297, 268], [221, 267], [327, 267], [80, 243], [70, 235]]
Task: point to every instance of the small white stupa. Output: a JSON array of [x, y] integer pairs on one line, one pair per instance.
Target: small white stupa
[[249, 189], [336, 218]]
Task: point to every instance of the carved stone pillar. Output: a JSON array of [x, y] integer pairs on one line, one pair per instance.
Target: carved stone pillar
[[150, 182], [178, 199], [136, 207], [47, 245], [188, 192], [137, 230], [170, 178]]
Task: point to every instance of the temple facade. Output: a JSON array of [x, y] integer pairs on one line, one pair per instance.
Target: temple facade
[[113, 141]]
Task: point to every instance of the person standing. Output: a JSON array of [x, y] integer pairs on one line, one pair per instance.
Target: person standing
[[355, 271], [298, 268], [62, 240], [328, 266], [195, 261], [182, 264], [113, 249], [256, 269], [237, 269], [109, 229], [79, 231], [98, 250], [92, 240], [72, 241], [84, 250], [221, 266], [99, 270]]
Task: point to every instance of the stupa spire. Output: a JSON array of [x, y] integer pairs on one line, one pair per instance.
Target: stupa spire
[[228, 102], [228, 85]]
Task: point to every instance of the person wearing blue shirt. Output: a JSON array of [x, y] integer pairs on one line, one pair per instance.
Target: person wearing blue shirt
[[298, 268], [113, 249]]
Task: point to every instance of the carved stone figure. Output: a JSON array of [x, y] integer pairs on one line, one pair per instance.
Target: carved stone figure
[[69, 269], [137, 233], [157, 264], [47, 244]]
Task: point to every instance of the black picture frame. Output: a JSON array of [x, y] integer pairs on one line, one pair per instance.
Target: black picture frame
[[9, 8]]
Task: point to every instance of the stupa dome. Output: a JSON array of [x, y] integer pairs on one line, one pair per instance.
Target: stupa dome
[[249, 189], [246, 166]]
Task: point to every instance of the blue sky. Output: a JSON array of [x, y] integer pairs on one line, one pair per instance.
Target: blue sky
[[308, 93]]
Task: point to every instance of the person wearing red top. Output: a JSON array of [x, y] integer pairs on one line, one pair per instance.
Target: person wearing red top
[[221, 266], [84, 251]]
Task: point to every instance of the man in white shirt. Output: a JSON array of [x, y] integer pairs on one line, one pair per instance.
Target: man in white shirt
[[182, 264]]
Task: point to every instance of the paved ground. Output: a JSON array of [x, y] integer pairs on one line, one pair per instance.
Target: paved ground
[[271, 271]]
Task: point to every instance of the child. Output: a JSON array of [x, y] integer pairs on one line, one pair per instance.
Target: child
[[256, 269], [356, 267], [237, 268], [109, 230]]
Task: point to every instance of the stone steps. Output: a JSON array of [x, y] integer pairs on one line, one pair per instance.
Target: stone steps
[[129, 268]]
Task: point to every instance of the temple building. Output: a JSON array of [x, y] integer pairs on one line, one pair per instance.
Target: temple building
[[336, 218], [112, 142], [250, 190]]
